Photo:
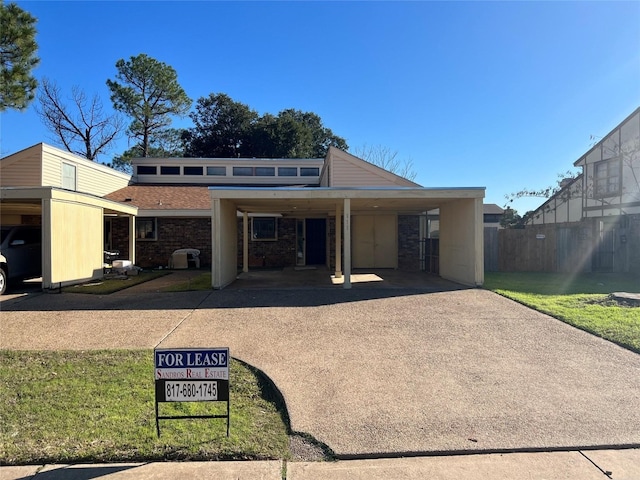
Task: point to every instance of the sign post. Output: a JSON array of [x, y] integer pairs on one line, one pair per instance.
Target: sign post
[[191, 375]]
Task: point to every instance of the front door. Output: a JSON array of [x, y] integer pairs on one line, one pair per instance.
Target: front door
[[316, 241]]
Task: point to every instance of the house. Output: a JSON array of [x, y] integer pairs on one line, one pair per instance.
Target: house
[[63, 193], [595, 217], [338, 211]]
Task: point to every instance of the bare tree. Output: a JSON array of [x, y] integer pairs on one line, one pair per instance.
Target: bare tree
[[386, 158], [83, 128]]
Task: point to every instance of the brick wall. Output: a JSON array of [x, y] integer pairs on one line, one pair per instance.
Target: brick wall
[[271, 253], [409, 242], [173, 234]]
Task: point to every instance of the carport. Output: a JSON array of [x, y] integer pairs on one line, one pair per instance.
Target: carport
[[72, 229], [461, 236]]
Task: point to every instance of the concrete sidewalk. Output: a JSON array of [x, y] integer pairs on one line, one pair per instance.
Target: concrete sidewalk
[[577, 465]]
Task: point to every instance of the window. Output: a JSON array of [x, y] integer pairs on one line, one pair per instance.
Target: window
[[607, 179], [242, 171], [309, 171], [219, 171], [146, 228], [287, 171], [193, 170], [169, 170], [265, 171], [147, 170], [68, 176], [263, 228], [492, 217]]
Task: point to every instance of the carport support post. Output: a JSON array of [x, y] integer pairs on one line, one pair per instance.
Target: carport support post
[[245, 242], [132, 239], [347, 243], [338, 273]]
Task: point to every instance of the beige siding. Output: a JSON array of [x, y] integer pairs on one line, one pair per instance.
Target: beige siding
[[91, 177], [76, 242], [345, 174], [346, 170], [41, 166], [22, 169], [462, 241]]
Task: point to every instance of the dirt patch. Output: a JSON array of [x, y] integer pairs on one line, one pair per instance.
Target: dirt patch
[[618, 300]]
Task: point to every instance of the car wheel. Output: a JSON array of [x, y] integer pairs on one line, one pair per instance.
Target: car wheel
[[3, 281]]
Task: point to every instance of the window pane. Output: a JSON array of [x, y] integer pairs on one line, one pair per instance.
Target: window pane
[[607, 180], [146, 170], [265, 171], [242, 171], [193, 170], [146, 228], [264, 228], [220, 171], [309, 171], [287, 171], [68, 176], [169, 170]]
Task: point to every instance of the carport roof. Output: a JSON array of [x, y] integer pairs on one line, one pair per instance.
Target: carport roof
[[32, 196], [296, 200]]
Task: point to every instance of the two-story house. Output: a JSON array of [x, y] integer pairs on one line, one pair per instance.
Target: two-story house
[[597, 214]]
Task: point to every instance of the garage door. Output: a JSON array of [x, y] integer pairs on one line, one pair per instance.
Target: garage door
[[374, 241]]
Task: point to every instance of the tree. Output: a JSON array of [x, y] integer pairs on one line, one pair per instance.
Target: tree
[[294, 134], [148, 91], [226, 128], [511, 219], [386, 158], [222, 128], [83, 128], [17, 57]]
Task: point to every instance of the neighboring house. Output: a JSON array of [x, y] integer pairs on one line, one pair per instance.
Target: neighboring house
[[340, 212], [595, 218]]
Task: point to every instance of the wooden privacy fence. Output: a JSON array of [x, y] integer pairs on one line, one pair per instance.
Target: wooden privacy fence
[[604, 245]]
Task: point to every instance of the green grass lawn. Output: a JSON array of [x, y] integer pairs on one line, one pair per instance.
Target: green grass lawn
[[579, 300], [98, 406]]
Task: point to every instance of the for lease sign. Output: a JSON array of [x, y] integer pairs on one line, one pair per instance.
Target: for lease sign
[[192, 364]]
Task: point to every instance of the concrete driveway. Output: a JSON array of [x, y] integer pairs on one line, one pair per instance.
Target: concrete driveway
[[386, 371]]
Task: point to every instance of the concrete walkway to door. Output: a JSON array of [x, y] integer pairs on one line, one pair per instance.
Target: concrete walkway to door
[[384, 371]]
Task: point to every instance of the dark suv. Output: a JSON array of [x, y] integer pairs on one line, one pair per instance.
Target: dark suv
[[20, 253]]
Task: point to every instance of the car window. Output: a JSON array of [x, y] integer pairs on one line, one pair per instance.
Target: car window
[[30, 236], [4, 232]]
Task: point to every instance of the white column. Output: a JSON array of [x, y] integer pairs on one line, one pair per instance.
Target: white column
[[132, 239], [338, 273], [216, 248], [245, 242], [347, 243]]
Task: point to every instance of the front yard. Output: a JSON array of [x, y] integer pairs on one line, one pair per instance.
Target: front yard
[[74, 406], [580, 300]]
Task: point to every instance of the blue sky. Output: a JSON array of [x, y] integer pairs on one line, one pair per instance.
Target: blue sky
[[503, 95]]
